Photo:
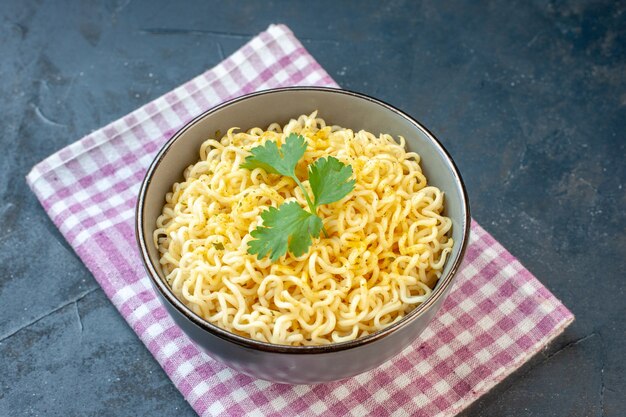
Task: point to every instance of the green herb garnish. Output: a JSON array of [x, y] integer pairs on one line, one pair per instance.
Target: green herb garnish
[[290, 227]]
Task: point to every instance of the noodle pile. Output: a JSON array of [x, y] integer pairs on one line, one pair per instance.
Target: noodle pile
[[386, 247]]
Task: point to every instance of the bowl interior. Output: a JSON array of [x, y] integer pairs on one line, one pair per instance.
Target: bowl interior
[[336, 107]]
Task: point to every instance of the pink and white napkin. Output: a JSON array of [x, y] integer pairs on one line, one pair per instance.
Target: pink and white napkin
[[497, 316]]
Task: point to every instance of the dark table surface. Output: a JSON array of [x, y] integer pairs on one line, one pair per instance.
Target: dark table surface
[[529, 97]]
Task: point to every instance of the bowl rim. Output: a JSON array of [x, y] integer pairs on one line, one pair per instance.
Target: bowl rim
[[164, 289]]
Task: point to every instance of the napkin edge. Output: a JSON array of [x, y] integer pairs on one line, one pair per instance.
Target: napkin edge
[[55, 159], [503, 373]]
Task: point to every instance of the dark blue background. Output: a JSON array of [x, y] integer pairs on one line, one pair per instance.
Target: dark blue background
[[528, 96]]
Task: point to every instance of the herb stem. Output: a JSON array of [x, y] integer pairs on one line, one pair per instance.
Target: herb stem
[[306, 195], [308, 201]]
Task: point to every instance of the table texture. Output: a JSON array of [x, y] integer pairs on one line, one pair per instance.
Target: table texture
[[529, 98]]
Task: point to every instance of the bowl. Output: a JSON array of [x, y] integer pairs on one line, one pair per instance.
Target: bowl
[[301, 364]]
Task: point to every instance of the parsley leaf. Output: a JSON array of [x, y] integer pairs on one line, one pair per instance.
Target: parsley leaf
[[280, 161], [289, 225], [277, 161], [328, 178]]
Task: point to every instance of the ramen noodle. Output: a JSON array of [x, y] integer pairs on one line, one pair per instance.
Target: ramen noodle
[[386, 244]]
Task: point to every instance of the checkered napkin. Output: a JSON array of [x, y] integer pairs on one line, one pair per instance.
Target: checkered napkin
[[496, 317]]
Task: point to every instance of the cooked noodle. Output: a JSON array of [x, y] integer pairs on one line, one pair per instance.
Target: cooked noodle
[[386, 247]]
